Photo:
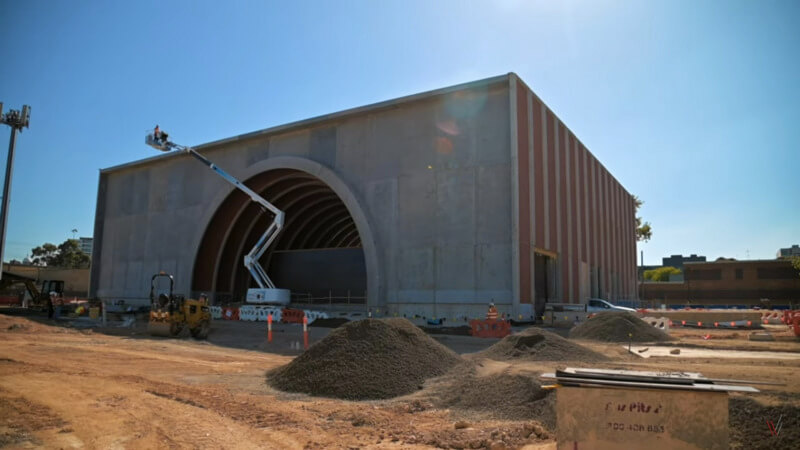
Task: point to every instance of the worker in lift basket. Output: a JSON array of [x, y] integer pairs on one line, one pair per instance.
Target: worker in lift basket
[[159, 135], [492, 313]]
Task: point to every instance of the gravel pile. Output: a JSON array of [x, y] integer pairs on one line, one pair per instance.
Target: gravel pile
[[366, 359], [535, 344], [615, 327], [749, 430], [501, 396]]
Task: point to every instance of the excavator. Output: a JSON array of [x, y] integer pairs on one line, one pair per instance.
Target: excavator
[[37, 297], [171, 313]]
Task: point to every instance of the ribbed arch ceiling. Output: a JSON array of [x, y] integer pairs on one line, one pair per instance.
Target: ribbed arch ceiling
[[315, 218]]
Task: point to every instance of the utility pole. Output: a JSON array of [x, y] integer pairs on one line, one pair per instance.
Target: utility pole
[[17, 120]]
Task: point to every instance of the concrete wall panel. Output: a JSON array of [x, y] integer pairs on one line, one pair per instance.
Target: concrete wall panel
[[417, 204], [455, 267], [493, 211], [455, 207]]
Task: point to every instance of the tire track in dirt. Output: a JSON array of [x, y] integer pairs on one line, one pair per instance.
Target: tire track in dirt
[[20, 418]]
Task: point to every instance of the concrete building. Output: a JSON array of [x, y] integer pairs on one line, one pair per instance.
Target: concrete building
[[677, 261], [743, 283], [789, 252], [431, 204]]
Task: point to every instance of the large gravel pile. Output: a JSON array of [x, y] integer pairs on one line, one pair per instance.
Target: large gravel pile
[[501, 396], [615, 327], [535, 344], [366, 359]]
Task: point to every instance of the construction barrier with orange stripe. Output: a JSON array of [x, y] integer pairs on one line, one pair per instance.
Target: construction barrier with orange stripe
[[289, 315], [693, 324], [771, 317], [490, 328], [230, 313]]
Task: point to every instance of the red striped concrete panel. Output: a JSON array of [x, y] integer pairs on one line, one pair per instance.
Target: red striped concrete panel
[[562, 213], [523, 173], [539, 179]]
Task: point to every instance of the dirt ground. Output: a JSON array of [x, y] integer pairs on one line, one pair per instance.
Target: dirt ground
[[64, 387]]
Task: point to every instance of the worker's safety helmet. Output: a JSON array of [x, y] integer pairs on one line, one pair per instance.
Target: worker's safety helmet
[[53, 294], [491, 303]]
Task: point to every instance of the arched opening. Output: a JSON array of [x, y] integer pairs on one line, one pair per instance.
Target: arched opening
[[318, 255]]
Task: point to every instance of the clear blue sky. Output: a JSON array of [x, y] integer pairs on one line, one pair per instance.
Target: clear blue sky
[[693, 105]]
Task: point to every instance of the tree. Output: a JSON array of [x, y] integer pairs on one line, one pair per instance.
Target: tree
[[795, 263], [68, 255], [43, 254], [661, 273], [643, 230]]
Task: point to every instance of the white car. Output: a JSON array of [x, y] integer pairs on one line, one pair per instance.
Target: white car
[[597, 305]]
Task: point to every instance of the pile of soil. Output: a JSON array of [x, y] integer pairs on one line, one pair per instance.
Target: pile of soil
[[535, 344], [615, 327], [366, 359], [502, 396], [749, 429]]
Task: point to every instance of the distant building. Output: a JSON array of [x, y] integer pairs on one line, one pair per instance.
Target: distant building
[[677, 261], [789, 252], [86, 245], [728, 282]]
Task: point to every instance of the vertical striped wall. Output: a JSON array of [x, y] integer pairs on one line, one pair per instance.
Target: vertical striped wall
[[568, 205]]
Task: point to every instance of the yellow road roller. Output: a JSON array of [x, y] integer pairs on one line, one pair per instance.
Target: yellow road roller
[[170, 313]]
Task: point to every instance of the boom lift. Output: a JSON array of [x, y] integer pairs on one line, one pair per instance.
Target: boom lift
[[266, 292]]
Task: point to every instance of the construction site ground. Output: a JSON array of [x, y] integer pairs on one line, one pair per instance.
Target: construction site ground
[[62, 386]]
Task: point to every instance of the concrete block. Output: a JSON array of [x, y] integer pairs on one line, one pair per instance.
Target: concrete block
[[256, 151], [417, 204], [295, 143], [455, 206], [353, 147], [323, 145], [415, 268], [455, 267], [493, 210], [493, 266]]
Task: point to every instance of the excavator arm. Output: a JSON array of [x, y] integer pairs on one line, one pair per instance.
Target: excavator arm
[[267, 293]]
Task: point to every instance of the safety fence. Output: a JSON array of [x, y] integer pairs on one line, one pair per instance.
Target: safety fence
[[258, 313]]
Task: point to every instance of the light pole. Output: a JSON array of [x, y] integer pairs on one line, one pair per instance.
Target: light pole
[[17, 120]]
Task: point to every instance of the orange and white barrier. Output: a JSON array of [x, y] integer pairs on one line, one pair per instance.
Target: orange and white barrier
[[771, 317], [230, 313], [490, 328]]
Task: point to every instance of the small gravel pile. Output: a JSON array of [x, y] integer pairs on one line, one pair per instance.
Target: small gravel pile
[[615, 327], [535, 344], [501, 396], [366, 359]]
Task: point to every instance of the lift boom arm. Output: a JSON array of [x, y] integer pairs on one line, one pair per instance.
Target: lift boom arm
[[251, 259]]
